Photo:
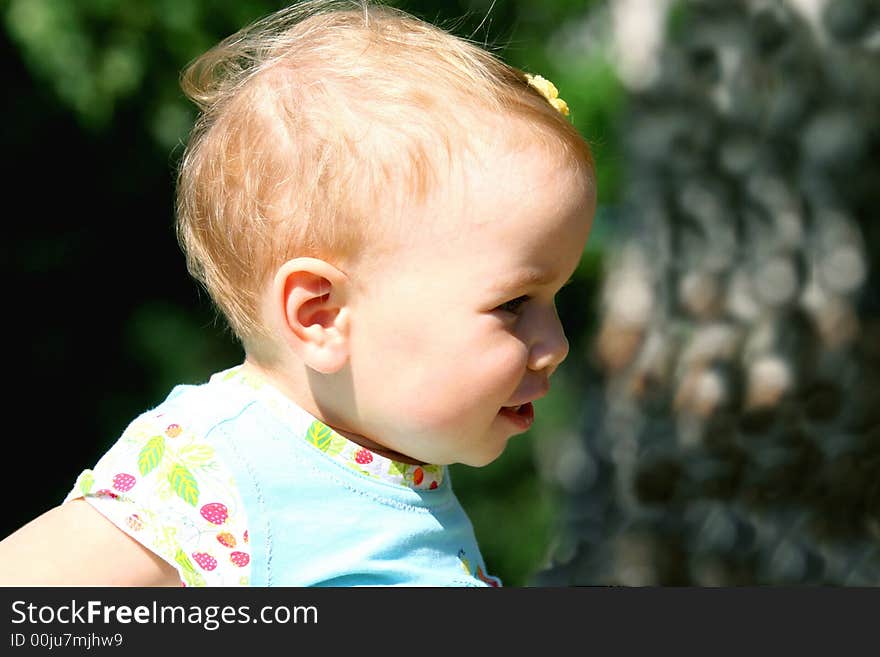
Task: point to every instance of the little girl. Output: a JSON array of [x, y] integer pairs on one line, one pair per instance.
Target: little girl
[[384, 214]]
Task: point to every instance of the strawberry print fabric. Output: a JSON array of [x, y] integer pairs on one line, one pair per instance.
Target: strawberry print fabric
[[321, 509], [163, 485]]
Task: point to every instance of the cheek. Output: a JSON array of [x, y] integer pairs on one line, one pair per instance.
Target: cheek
[[470, 387], [507, 366], [504, 355], [435, 373], [394, 357]]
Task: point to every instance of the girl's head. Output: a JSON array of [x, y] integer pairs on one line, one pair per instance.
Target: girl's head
[[324, 129]]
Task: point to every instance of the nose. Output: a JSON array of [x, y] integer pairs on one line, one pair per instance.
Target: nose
[[549, 346]]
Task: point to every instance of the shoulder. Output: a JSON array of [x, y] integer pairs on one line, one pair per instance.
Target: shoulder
[[74, 545], [163, 483]]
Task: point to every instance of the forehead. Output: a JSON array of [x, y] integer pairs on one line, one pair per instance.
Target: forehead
[[520, 192], [506, 208], [511, 213], [521, 161]]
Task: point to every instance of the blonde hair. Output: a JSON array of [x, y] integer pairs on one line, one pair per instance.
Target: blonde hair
[[314, 122]]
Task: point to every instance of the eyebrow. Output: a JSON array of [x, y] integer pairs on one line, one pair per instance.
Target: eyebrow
[[530, 277]]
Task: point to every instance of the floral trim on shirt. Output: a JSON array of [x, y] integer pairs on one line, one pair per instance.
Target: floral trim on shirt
[[164, 486], [335, 445]]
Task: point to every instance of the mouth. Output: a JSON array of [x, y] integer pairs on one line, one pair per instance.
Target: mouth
[[521, 415]]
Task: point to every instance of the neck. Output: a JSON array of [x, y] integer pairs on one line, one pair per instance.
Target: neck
[[376, 447], [307, 401]]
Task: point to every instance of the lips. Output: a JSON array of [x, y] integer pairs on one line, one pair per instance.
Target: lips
[[521, 415], [528, 400]]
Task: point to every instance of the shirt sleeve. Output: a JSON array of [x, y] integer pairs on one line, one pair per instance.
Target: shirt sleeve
[[163, 484]]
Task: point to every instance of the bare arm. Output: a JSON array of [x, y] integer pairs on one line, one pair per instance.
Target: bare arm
[[73, 544]]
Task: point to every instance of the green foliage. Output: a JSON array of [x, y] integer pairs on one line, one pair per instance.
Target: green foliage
[[597, 98], [98, 55], [175, 347]]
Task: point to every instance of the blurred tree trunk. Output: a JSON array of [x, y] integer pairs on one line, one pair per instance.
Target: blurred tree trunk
[[733, 437]]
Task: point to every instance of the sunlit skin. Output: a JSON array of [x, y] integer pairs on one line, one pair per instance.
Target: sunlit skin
[[417, 360]]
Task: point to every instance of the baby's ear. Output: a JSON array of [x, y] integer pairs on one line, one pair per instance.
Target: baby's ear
[[308, 305]]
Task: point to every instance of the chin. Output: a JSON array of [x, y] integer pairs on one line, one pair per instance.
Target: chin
[[481, 460]]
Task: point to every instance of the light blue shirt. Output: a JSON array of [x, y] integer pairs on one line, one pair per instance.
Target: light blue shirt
[[319, 509]]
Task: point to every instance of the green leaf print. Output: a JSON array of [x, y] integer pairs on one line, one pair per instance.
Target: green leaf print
[[354, 466], [320, 435], [325, 439], [181, 558], [86, 482], [163, 489], [192, 577], [184, 484], [151, 454], [397, 468], [337, 444], [196, 456]]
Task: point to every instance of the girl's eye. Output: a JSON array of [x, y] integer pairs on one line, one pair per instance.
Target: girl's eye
[[513, 305]]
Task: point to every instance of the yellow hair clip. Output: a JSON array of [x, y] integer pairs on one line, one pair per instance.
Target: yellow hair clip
[[549, 91]]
